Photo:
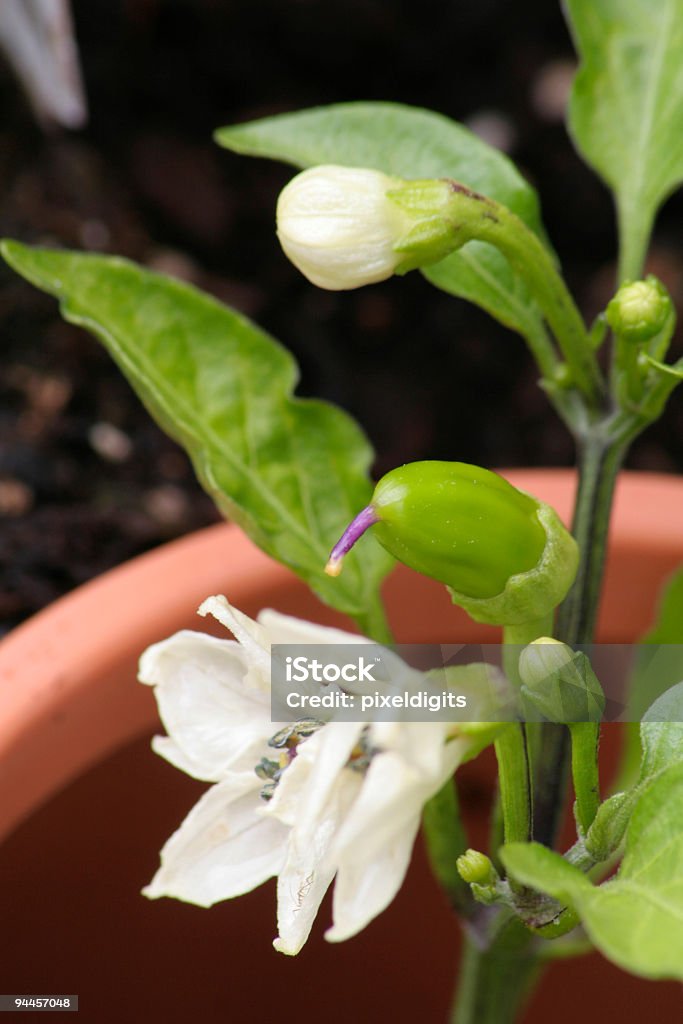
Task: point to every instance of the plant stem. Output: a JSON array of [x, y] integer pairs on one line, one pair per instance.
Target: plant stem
[[584, 737], [514, 780], [601, 459], [446, 840], [474, 216], [493, 982], [374, 623], [530, 258], [635, 228]]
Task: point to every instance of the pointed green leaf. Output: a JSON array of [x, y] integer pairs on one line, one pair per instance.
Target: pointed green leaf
[[674, 370], [535, 865], [626, 112], [661, 733], [662, 664], [412, 143], [668, 627], [659, 657], [635, 919], [291, 472], [660, 745], [605, 835]]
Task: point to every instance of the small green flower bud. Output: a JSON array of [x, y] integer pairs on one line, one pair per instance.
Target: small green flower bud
[[559, 683], [639, 310], [474, 866], [505, 556]]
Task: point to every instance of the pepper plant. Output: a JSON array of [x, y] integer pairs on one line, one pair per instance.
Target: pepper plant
[[386, 189]]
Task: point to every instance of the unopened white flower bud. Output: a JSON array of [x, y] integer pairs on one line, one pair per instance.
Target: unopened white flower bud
[[543, 659], [338, 227], [559, 683], [345, 227]]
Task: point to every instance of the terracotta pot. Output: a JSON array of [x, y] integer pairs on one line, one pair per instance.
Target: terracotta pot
[[68, 698]]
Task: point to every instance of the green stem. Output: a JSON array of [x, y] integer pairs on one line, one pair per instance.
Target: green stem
[[512, 746], [585, 737], [542, 348], [518, 636], [550, 781], [533, 262], [629, 383], [514, 780], [493, 981], [601, 460], [635, 228], [374, 623], [446, 840]]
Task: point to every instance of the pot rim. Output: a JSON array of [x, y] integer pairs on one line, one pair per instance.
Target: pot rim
[[68, 694]]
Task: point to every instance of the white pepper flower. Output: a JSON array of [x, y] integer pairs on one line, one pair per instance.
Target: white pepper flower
[[338, 227], [304, 801]]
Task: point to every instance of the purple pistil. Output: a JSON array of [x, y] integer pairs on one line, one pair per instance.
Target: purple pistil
[[363, 521]]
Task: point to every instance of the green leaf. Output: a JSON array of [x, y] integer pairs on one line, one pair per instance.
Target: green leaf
[[658, 666], [291, 472], [660, 745], [605, 835], [668, 627], [635, 919], [659, 658], [626, 111], [661, 733], [541, 868], [412, 143], [674, 370]]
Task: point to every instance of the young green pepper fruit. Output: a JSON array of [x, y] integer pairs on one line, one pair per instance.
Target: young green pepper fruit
[[505, 557]]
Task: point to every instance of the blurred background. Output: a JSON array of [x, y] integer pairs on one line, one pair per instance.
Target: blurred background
[[86, 479]]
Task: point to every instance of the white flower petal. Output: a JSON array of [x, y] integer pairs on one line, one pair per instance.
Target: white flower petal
[[309, 869], [224, 848], [374, 846], [363, 889], [217, 720], [393, 793], [167, 748], [285, 629], [421, 744], [302, 883], [307, 783], [251, 636]]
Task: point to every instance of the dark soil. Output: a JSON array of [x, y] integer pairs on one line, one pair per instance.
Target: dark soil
[[86, 480]]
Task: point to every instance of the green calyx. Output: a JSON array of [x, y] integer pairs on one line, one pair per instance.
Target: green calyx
[[530, 596], [446, 215], [505, 557]]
